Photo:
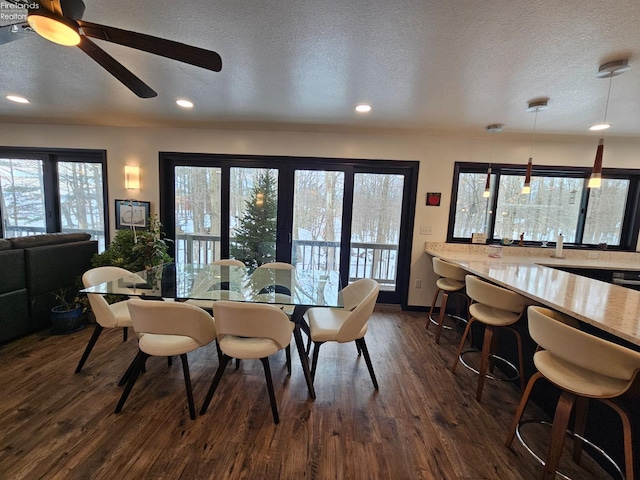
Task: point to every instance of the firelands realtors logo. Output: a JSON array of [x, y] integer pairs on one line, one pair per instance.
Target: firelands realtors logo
[[12, 12]]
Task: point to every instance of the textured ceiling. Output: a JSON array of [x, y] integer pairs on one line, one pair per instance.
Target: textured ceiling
[[457, 64]]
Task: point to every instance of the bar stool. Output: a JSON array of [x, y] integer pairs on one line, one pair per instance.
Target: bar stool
[[497, 308], [584, 367], [451, 281]]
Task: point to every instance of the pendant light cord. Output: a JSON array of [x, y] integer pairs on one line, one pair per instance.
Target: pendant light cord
[[606, 107], [533, 134]]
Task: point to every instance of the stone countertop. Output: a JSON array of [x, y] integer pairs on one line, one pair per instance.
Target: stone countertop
[[611, 308]]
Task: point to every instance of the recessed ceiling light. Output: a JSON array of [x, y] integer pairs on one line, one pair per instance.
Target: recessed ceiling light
[[184, 103], [363, 108], [600, 126], [17, 99]]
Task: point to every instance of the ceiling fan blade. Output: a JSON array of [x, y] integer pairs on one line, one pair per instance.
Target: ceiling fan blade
[[9, 33], [116, 69], [158, 46]]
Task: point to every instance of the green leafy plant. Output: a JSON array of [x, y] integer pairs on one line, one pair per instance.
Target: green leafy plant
[[68, 299], [136, 251]]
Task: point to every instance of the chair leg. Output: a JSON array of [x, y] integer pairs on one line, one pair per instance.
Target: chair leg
[[628, 438], [367, 359], [461, 347], [169, 361], [127, 374], [125, 333], [582, 407], [314, 361], [272, 396], [304, 326], [432, 308], [558, 430], [484, 359], [187, 384], [139, 361], [92, 341], [443, 310], [287, 352], [358, 348], [521, 406], [214, 384], [237, 363]]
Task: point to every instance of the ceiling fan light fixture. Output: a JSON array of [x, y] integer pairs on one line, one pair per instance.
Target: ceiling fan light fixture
[[363, 108], [600, 126], [54, 28]]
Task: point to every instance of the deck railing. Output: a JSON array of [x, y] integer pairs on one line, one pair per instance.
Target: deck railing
[[367, 260]]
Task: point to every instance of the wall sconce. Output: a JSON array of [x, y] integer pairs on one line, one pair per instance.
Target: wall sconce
[[132, 178], [607, 70]]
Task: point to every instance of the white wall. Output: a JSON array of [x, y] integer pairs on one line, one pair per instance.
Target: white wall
[[435, 151]]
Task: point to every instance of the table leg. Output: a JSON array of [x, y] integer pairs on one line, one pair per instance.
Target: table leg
[[296, 318], [304, 360]]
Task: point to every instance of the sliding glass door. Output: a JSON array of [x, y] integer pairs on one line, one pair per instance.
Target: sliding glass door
[[318, 202], [375, 228], [352, 216]]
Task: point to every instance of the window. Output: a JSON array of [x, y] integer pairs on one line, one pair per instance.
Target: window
[[559, 202], [351, 216], [52, 191]]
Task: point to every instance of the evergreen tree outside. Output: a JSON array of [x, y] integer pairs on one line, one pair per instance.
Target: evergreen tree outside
[[254, 242]]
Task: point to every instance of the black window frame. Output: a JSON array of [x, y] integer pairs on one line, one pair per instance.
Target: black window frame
[[631, 217], [287, 165], [50, 158]]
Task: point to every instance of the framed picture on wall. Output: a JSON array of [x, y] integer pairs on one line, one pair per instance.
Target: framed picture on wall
[[132, 214]]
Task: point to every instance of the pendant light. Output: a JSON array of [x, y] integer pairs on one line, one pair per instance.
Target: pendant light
[[494, 128], [534, 106], [606, 70]]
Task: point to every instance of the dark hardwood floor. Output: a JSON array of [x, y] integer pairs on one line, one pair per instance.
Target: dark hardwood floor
[[424, 423]]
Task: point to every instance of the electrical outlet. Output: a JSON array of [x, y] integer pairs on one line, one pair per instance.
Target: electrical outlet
[[592, 255], [425, 230], [417, 283]]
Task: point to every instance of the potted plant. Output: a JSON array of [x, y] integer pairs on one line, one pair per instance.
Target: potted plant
[[66, 316], [136, 250]]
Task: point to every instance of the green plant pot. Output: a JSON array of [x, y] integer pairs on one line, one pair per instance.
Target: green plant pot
[[65, 321]]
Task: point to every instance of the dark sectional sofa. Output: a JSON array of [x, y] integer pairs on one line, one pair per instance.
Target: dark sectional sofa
[[33, 267]]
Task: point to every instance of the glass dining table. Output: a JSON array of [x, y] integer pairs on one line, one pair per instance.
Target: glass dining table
[[295, 290]]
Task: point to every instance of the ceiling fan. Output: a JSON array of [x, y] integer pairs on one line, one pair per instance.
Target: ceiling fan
[[60, 21]]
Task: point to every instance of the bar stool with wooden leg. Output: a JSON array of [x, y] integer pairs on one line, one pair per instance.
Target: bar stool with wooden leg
[[451, 281], [497, 308], [584, 367]]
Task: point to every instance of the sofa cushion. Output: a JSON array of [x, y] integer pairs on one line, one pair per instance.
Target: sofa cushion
[[5, 244], [13, 275], [48, 239]]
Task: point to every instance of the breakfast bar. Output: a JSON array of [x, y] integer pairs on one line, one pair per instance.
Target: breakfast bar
[[535, 274]]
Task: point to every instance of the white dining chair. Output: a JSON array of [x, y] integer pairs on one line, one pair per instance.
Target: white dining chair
[[167, 329], [249, 331], [346, 324], [115, 315]]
